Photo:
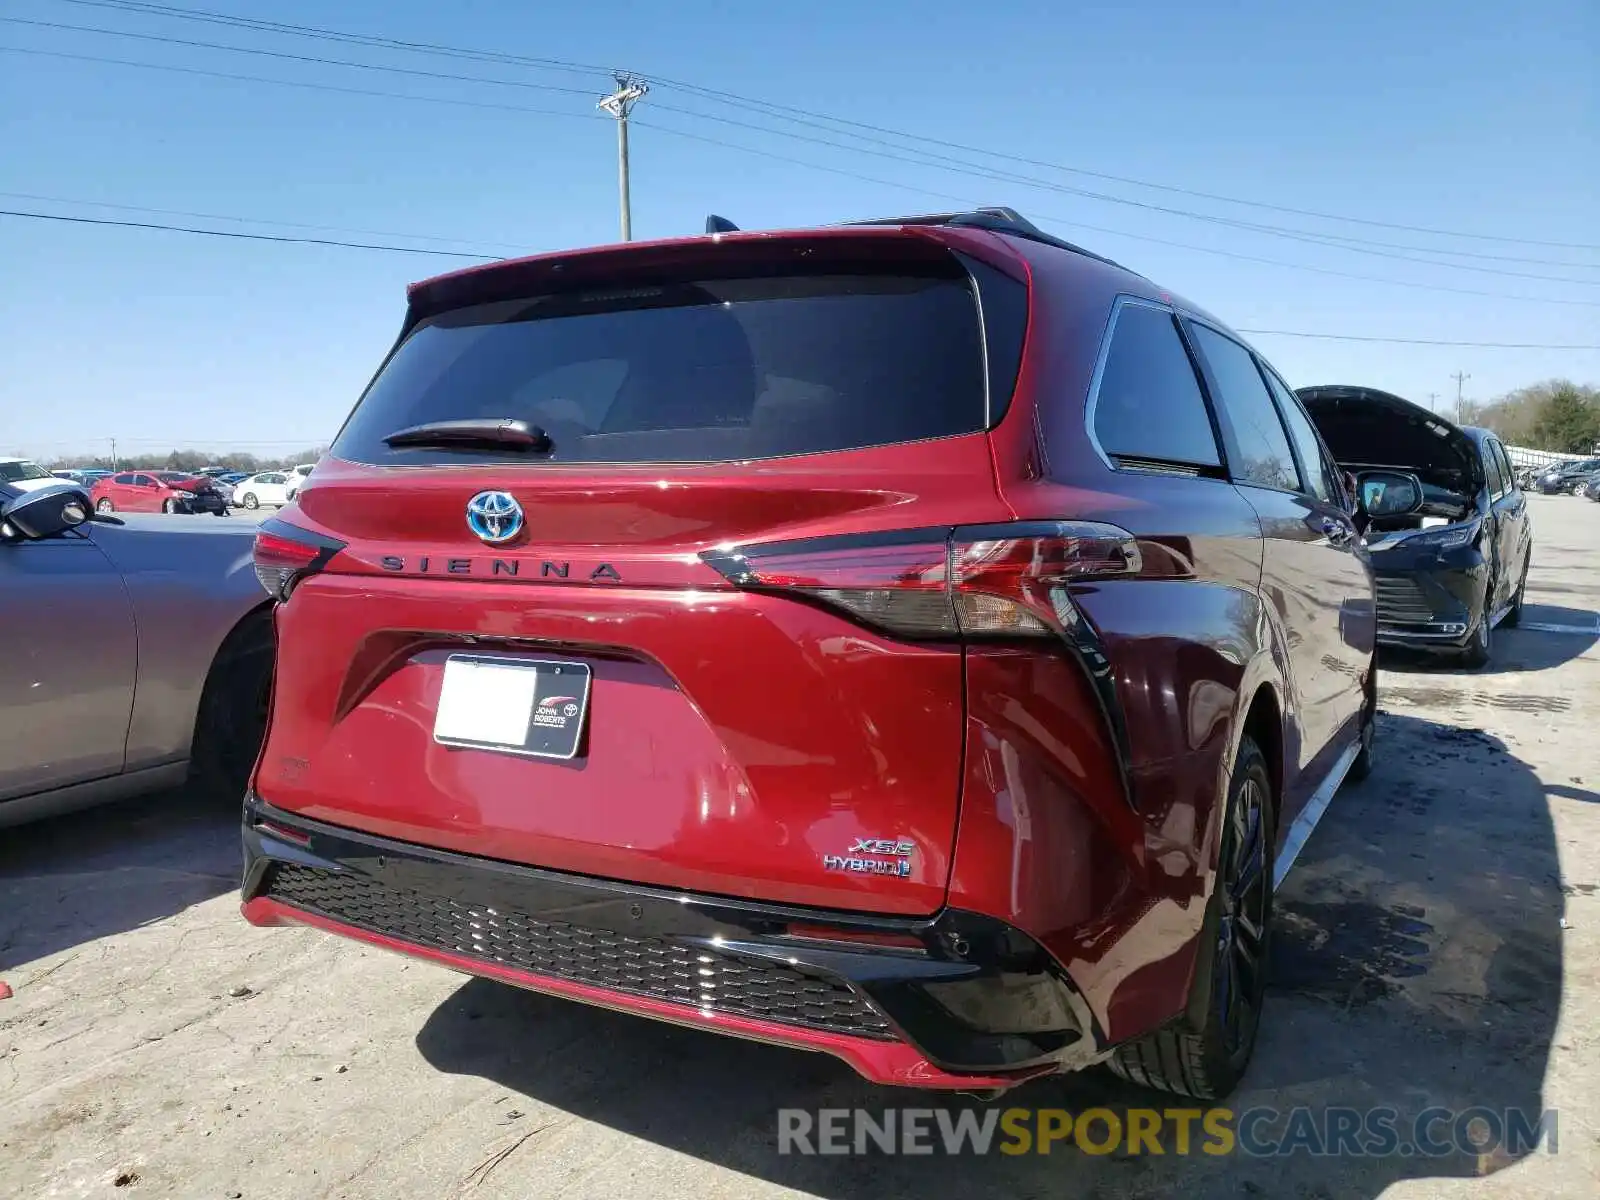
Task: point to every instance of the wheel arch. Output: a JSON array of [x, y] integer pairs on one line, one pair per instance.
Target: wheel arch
[[211, 726]]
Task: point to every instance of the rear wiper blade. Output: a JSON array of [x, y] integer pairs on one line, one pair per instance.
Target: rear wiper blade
[[474, 431]]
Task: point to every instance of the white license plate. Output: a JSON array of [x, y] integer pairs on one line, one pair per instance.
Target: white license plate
[[513, 705]]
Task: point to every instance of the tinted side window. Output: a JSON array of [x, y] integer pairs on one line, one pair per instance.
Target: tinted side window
[[1506, 470], [1149, 404], [1314, 465], [1265, 457], [1491, 471], [123, 479], [143, 481]]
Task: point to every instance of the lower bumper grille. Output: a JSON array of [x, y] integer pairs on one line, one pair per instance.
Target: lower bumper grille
[[1401, 602], [699, 979]]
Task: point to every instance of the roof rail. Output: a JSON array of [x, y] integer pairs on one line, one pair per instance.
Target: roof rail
[[996, 220]]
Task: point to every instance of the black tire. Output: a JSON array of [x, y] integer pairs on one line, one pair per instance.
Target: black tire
[[1361, 766], [233, 708], [1513, 616], [250, 500], [169, 506], [104, 504], [1204, 1057], [1480, 646]]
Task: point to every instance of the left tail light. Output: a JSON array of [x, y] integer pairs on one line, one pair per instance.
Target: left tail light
[[989, 581], [284, 554]]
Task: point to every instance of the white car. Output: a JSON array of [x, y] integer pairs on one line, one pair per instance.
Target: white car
[[297, 476], [269, 487], [26, 476]]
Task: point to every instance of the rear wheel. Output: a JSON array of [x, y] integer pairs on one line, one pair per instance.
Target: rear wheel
[[1205, 1059], [233, 707], [104, 504]]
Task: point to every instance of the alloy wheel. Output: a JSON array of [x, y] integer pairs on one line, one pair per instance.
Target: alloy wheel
[[1240, 974]]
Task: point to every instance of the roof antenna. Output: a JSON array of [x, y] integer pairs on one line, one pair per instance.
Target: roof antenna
[[716, 224]]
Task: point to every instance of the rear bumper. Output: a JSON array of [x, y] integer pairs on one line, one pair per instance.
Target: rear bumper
[[954, 1001]]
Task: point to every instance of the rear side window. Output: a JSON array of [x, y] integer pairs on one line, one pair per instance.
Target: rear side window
[[1506, 469], [1265, 459], [124, 479], [1149, 405], [708, 371], [1491, 471]]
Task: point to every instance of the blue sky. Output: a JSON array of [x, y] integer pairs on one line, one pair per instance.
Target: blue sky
[[1464, 116]]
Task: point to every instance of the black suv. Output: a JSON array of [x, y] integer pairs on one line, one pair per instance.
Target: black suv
[[1456, 566]]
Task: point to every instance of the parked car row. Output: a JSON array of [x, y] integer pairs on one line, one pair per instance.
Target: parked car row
[[208, 490], [1573, 477]]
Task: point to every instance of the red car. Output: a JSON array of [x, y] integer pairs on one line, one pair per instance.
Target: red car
[[925, 642], [158, 491]]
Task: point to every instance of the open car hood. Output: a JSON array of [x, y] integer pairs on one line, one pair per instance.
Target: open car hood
[[1366, 428]]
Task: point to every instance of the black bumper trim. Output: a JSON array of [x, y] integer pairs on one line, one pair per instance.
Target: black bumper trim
[[978, 996]]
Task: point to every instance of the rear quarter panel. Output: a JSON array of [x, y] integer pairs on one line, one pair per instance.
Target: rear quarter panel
[[191, 580], [1189, 647]]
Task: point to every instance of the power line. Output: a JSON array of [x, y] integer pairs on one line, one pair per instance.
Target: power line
[[297, 83], [1329, 271], [1333, 241], [1338, 337], [1350, 337], [352, 39], [234, 233], [1080, 225], [305, 58], [210, 216], [942, 162], [783, 112]]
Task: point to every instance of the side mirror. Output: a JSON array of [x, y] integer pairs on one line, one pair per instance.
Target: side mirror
[[1388, 493], [48, 511]]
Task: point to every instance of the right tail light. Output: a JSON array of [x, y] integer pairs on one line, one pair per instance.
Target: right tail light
[[988, 581]]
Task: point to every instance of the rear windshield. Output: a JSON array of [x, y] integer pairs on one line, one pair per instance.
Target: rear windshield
[[708, 371]]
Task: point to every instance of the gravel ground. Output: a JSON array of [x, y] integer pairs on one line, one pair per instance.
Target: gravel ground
[[1439, 944]]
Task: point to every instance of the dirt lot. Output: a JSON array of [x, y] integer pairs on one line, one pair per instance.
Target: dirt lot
[[1439, 944]]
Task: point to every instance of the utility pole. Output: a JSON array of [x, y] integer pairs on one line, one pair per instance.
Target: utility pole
[[619, 104], [113, 454], [1460, 377], [1433, 401]]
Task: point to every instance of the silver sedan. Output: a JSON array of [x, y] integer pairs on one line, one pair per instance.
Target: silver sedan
[[134, 653]]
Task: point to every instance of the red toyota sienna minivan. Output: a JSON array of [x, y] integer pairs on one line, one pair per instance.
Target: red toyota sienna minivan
[[923, 641]]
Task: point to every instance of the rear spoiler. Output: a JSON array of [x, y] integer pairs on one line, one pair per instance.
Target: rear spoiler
[[659, 261]]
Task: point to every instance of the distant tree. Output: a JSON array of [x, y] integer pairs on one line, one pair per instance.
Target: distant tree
[[1568, 420], [1515, 417]]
